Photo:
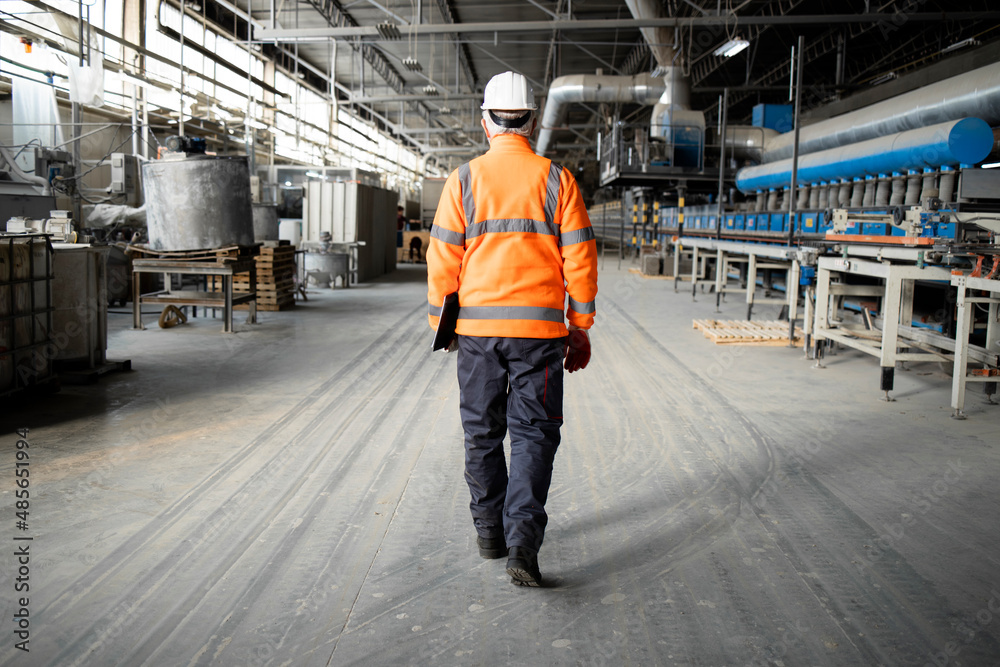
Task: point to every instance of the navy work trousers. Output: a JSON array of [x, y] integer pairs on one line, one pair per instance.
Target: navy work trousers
[[515, 385]]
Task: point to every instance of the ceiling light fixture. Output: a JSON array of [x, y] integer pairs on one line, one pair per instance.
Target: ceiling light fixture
[[411, 64], [429, 90], [389, 31], [732, 47], [971, 41], [888, 76]]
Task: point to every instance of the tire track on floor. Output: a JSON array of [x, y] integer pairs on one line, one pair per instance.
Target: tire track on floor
[[264, 569], [638, 362], [141, 543], [886, 612]]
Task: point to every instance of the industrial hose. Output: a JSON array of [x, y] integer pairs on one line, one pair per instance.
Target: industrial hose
[[24, 176]]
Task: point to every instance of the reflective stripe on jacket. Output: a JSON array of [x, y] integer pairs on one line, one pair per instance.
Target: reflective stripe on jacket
[[512, 236]]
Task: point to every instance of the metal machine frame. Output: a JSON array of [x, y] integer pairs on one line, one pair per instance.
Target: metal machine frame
[[896, 294], [964, 352]]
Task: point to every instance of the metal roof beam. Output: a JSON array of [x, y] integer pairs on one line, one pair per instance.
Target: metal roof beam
[[448, 12], [444, 99], [371, 32]]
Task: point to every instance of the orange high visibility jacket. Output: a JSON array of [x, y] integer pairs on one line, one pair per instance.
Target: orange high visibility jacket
[[511, 235]]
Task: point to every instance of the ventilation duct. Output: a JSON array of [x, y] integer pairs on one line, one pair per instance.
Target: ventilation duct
[[746, 142], [577, 88], [953, 143], [973, 94], [670, 94], [659, 39]]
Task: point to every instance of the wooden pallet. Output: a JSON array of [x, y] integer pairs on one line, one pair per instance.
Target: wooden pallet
[[746, 332], [265, 284], [281, 256], [212, 255], [275, 286], [270, 304]]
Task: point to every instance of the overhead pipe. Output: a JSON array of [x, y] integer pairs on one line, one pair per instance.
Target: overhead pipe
[[660, 39], [672, 119], [973, 94], [670, 94], [577, 88], [746, 142], [956, 142]]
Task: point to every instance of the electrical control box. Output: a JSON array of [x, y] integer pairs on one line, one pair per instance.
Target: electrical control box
[[125, 178]]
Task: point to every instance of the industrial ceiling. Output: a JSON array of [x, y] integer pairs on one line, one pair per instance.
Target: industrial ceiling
[[418, 67]]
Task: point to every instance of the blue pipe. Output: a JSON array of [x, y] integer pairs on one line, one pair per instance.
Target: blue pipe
[[965, 141]]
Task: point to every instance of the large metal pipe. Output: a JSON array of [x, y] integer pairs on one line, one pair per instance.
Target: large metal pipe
[[973, 94], [746, 142], [669, 94], [965, 141], [576, 88], [659, 38]]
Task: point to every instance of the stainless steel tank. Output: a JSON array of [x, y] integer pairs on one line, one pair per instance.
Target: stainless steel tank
[[198, 202], [324, 262], [265, 222]]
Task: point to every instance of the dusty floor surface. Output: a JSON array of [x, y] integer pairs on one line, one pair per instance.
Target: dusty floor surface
[[293, 495]]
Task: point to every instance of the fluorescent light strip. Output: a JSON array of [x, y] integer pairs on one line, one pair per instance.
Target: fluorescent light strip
[[732, 47]]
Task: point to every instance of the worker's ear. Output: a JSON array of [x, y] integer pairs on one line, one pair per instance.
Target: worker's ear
[[534, 126], [482, 121]]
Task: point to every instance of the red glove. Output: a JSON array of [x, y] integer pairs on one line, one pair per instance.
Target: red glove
[[577, 350]]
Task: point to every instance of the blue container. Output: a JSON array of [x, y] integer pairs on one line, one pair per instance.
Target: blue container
[[741, 221], [807, 275], [777, 222], [946, 229], [688, 146], [775, 116], [808, 223]]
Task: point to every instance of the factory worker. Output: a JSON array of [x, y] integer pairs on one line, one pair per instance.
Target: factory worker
[[511, 236]]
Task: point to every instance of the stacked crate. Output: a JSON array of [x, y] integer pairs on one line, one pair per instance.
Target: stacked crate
[[275, 279], [26, 346]]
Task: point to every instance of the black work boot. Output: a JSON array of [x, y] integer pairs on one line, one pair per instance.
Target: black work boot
[[492, 547], [522, 566]]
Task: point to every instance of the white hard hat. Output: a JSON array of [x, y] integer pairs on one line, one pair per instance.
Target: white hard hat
[[508, 91]]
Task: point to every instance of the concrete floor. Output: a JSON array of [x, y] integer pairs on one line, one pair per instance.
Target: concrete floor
[[293, 495]]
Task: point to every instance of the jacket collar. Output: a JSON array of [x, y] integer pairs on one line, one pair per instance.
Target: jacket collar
[[510, 143]]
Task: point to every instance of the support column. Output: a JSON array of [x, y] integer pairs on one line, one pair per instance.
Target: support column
[[751, 283], [963, 326], [891, 304]]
